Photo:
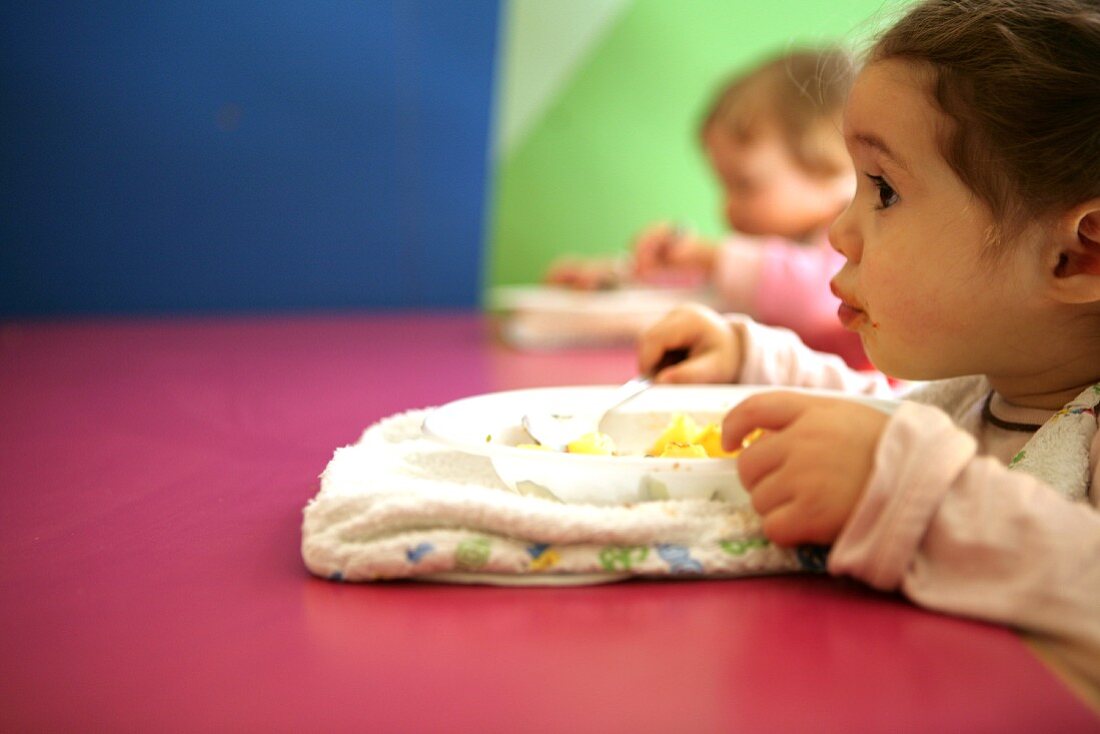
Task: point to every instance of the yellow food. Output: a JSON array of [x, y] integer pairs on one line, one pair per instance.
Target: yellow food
[[682, 438], [684, 451], [710, 438], [682, 431], [592, 443]]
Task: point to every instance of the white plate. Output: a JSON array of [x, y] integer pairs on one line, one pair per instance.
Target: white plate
[[489, 425], [549, 316], [569, 302]]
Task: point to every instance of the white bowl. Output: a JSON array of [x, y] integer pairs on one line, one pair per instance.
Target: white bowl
[[489, 425], [541, 316]]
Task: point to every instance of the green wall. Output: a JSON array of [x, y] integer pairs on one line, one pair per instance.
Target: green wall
[[597, 111]]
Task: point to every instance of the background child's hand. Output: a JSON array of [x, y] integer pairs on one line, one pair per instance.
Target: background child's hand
[[809, 469], [664, 247], [713, 344], [586, 275]]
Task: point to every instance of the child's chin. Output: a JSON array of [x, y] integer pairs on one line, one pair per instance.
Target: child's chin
[[900, 368]]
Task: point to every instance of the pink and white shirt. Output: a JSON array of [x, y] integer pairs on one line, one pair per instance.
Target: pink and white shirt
[[968, 509]]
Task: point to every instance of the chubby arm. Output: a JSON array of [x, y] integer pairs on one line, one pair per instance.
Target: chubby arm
[[908, 505], [965, 535], [734, 348], [774, 356]]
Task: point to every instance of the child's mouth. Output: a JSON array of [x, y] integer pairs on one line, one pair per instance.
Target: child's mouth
[[851, 318]]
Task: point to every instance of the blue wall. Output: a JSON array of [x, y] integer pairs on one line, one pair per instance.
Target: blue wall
[[243, 155]]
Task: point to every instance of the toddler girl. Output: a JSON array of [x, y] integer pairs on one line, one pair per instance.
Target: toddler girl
[[973, 261], [772, 139]]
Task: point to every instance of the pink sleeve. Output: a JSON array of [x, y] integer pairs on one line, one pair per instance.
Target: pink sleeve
[[737, 267], [784, 283], [963, 534], [775, 356], [793, 288]]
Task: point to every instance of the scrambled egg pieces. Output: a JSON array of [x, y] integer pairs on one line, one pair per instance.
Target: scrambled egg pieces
[[682, 438], [592, 443]]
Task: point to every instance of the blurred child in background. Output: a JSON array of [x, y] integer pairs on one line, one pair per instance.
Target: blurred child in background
[[972, 259], [772, 138]]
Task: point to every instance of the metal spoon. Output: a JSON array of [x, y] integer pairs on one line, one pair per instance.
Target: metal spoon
[[556, 431]]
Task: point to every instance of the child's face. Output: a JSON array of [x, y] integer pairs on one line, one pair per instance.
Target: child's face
[[916, 286], [767, 192]]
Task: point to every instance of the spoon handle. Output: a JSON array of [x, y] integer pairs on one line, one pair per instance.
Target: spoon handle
[[626, 391], [671, 357], [630, 388]]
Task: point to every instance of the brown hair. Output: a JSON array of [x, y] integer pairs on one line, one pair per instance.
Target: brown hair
[[802, 95], [1020, 79]]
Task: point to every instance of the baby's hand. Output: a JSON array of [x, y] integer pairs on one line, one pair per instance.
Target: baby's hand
[[664, 247], [585, 275], [809, 469], [712, 343]]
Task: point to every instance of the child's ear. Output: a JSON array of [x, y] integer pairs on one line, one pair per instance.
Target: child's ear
[[1076, 261]]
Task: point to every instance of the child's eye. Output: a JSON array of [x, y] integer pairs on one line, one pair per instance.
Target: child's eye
[[887, 197]]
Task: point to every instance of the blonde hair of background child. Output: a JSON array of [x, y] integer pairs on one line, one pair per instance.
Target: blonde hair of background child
[[801, 95]]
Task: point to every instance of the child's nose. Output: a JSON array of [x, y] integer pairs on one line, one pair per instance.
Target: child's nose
[[844, 235]]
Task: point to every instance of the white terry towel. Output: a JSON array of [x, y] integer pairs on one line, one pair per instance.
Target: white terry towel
[[399, 505]]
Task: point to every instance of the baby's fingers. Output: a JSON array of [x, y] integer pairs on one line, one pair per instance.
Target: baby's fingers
[[651, 248], [761, 460], [702, 369], [654, 344], [700, 332], [772, 491], [771, 411], [784, 525], [680, 328]]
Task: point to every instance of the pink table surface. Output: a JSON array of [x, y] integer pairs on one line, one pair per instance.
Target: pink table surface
[[154, 473]]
